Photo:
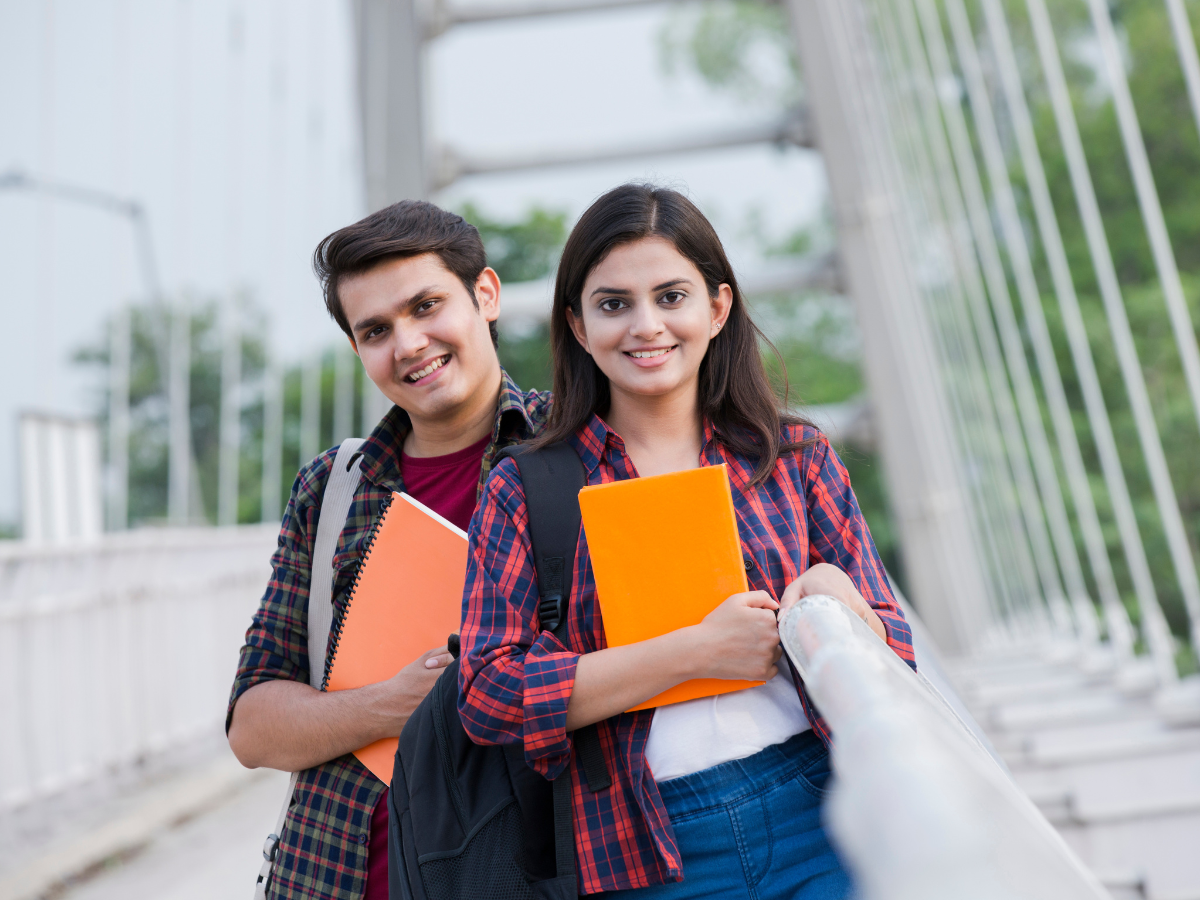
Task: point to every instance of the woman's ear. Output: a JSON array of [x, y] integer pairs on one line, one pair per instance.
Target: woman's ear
[[576, 323], [721, 305]]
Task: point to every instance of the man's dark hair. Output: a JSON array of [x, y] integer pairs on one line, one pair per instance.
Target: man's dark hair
[[407, 228]]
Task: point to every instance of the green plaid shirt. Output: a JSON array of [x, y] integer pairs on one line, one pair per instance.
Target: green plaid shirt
[[322, 852]]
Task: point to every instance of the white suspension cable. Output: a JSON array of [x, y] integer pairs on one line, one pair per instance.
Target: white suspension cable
[[1154, 626], [1189, 59], [1015, 468], [1002, 437], [1035, 319], [1081, 352], [1027, 405], [961, 390]]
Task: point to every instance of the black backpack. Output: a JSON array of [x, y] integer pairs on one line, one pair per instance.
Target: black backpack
[[468, 822]]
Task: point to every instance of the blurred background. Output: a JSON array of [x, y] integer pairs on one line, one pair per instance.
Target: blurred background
[[918, 245]]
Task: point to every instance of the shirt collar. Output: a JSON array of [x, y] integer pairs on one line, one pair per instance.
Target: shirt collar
[[381, 450], [596, 438]]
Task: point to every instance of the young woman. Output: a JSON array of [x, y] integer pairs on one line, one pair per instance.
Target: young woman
[[657, 369]]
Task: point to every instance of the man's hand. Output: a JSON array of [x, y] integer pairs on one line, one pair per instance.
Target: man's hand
[[403, 692], [827, 579], [291, 726]]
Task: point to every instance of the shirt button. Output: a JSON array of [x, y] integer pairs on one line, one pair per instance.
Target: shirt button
[[748, 562], [362, 839]]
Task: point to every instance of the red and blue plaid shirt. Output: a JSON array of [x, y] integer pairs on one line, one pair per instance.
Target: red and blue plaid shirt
[[516, 679], [323, 848]]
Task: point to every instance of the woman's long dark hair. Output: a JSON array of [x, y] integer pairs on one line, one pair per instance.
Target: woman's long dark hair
[[735, 393]]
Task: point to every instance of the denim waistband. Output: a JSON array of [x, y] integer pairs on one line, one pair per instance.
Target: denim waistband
[[730, 781]]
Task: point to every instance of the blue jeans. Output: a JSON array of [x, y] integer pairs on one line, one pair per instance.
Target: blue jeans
[[751, 828]]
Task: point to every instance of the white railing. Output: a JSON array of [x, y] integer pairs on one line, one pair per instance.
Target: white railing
[[114, 651], [919, 808]]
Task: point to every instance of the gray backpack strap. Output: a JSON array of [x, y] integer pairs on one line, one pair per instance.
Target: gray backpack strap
[[335, 507]]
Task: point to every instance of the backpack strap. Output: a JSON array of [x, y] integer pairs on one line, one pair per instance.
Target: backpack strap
[[552, 478], [344, 476]]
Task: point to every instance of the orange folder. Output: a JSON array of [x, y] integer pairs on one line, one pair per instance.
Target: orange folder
[[665, 553], [407, 599]]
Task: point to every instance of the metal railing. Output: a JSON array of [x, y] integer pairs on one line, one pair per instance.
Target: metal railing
[[115, 651], [919, 808]]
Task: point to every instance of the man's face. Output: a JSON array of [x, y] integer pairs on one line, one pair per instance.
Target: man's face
[[420, 337]]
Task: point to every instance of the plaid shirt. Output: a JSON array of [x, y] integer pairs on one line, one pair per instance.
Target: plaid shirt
[[323, 849], [516, 680]]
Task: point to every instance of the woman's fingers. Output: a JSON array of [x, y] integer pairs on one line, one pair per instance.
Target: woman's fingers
[[758, 600]]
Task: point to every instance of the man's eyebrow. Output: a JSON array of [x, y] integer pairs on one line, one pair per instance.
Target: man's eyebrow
[[624, 292], [416, 299]]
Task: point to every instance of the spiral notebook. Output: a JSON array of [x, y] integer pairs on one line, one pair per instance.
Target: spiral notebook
[[665, 552], [406, 599]]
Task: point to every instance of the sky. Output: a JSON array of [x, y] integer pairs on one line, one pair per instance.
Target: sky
[[235, 125]]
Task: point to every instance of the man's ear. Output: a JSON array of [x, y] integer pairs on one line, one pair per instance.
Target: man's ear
[[353, 346], [487, 294], [576, 323]]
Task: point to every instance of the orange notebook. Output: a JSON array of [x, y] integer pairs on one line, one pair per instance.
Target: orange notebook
[[407, 598], [665, 553]]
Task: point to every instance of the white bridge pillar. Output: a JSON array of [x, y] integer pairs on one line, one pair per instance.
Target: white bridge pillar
[[921, 461]]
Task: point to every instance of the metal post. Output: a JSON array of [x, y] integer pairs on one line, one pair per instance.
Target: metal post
[[310, 409], [927, 499], [390, 63], [118, 419], [179, 461], [343, 394], [272, 440], [229, 462]]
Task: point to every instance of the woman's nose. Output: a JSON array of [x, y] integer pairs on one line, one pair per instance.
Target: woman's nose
[[647, 322]]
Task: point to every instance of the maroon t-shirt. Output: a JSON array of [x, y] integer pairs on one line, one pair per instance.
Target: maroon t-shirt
[[447, 485]]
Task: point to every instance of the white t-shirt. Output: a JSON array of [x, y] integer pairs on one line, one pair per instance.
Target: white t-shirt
[[698, 734]]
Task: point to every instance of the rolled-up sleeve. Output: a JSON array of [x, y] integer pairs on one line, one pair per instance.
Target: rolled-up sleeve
[[515, 680], [276, 644], [838, 534]]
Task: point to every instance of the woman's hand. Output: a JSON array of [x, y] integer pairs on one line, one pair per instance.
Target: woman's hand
[[739, 639], [827, 579]]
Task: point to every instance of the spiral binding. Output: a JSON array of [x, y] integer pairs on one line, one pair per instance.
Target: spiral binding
[[339, 620]]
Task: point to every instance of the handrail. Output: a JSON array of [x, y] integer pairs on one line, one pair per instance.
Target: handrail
[[919, 808]]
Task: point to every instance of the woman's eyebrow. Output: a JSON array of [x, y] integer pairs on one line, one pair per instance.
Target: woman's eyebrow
[[626, 291]]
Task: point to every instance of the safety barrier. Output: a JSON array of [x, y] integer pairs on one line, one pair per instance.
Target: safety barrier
[[919, 807], [117, 650]]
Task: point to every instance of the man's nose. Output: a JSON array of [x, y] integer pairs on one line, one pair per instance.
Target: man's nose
[[409, 342]]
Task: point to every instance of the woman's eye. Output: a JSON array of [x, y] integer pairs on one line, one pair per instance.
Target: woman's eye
[[673, 297], [612, 304]]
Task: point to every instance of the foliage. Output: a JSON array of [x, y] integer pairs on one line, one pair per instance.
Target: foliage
[[742, 46], [524, 250], [148, 447], [1173, 146]]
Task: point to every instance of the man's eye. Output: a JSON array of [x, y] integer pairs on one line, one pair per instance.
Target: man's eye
[[426, 306], [374, 332]]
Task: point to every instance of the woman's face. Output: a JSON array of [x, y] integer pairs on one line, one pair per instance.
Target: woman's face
[[647, 318]]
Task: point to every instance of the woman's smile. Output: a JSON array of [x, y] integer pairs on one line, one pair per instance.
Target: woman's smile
[[648, 358]]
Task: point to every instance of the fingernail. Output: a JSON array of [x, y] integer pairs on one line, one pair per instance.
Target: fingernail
[[431, 663]]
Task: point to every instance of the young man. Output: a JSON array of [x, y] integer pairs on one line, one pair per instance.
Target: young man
[[411, 288]]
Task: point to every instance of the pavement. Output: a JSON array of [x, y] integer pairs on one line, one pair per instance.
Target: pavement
[[215, 854], [190, 827]]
